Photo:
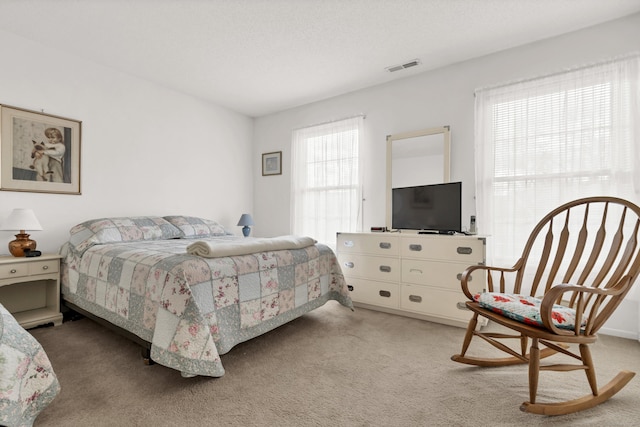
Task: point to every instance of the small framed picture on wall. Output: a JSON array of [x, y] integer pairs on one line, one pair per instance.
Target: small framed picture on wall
[[272, 163]]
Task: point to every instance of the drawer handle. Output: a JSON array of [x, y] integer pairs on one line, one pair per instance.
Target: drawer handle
[[348, 243], [415, 298], [349, 264], [350, 288], [385, 269], [464, 250], [45, 267], [459, 276], [415, 247], [385, 245], [385, 294], [415, 270], [13, 271]]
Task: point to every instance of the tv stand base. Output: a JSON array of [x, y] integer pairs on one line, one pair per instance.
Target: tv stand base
[[448, 233]]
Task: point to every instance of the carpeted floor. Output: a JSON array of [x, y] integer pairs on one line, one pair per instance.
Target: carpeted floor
[[332, 367]]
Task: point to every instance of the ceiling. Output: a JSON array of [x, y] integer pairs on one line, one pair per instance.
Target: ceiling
[[258, 57]]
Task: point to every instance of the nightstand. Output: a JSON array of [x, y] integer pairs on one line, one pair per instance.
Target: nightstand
[[30, 289]]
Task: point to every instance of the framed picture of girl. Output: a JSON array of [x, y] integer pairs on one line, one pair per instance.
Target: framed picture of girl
[[39, 152]]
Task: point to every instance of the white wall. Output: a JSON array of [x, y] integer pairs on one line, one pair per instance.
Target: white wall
[[434, 98], [146, 150]]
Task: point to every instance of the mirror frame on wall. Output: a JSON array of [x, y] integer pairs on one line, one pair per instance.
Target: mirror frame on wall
[[446, 147]]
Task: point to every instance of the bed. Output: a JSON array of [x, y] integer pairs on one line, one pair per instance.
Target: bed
[[27, 381], [148, 276]]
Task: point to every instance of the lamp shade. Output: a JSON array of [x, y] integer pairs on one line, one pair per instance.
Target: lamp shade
[[21, 219], [245, 219]]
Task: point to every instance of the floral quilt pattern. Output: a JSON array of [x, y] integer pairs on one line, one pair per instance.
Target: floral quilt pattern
[[27, 381], [193, 309]]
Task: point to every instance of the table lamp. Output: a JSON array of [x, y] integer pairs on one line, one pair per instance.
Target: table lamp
[[21, 219], [246, 221]]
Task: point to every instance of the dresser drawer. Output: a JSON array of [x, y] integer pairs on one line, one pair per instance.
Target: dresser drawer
[[370, 267], [383, 244], [440, 274], [434, 302], [465, 250], [373, 292]]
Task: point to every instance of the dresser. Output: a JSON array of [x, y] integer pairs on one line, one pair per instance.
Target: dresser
[[415, 275], [30, 289]]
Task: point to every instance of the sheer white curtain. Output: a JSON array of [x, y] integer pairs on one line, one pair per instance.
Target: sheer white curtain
[[326, 179], [545, 141]]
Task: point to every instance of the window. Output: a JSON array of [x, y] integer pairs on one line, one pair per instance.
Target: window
[[326, 179], [549, 140]]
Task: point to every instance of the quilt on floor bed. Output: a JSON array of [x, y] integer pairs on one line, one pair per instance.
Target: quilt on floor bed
[[27, 381], [192, 309]]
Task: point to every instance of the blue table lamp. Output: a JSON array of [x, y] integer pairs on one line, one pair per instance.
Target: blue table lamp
[[246, 221]]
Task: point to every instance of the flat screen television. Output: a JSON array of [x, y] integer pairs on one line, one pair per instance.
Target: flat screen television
[[431, 208]]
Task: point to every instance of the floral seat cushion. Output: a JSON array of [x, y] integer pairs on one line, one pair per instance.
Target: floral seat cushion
[[526, 309]]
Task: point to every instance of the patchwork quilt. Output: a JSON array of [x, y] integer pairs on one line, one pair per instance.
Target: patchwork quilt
[[27, 381], [193, 309]]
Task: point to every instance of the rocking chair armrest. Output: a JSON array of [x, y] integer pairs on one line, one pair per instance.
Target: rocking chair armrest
[[466, 274], [555, 294]]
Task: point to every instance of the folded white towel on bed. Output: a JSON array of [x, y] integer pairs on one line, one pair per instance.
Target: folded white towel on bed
[[248, 245]]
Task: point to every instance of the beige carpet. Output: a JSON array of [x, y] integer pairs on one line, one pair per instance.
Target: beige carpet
[[332, 367]]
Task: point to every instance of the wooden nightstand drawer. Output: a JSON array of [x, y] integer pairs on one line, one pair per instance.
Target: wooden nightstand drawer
[[13, 270], [44, 267]]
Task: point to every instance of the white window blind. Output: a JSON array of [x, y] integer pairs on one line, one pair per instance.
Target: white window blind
[[326, 179], [549, 140]]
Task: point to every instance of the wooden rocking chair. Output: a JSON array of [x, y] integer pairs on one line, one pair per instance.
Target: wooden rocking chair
[[580, 261]]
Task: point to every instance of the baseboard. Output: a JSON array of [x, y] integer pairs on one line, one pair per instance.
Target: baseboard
[[434, 319], [619, 333]]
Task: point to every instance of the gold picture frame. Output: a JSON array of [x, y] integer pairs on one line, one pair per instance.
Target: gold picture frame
[[39, 152], [272, 163]]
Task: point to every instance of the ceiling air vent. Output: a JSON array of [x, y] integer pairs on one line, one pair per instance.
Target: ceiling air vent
[[403, 66]]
